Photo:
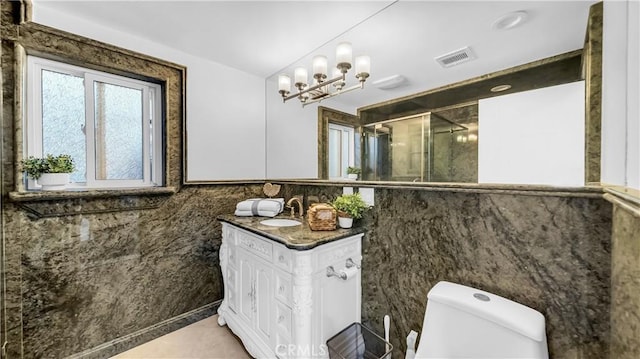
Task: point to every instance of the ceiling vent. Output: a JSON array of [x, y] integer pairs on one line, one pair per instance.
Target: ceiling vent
[[456, 57]]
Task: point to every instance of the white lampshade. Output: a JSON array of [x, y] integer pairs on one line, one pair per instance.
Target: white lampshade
[[300, 75], [363, 65], [344, 53], [320, 65], [284, 83]]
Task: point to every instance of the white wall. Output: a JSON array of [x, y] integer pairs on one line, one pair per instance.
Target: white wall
[[620, 94], [533, 137], [225, 107], [292, 137]]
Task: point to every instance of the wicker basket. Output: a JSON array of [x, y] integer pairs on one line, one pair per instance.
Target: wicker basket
[[322, 217]]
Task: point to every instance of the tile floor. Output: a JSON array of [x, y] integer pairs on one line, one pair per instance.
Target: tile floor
[[204, 340]]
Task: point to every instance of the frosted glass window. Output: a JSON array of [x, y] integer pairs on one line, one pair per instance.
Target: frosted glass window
[[118, 132], [110, 125], [63, 119]]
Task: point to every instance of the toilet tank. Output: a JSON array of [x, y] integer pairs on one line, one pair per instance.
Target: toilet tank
[[463, 322]]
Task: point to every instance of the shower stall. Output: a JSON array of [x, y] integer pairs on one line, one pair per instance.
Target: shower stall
[[425, 147]]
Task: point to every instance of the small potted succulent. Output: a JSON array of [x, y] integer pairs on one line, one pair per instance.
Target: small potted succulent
[[349, 207], [51, 172], [353, 172]]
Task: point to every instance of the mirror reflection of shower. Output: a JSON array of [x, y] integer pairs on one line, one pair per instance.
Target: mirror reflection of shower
[[435, 146]]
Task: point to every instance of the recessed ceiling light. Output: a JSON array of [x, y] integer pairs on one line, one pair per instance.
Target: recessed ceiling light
[[500, 88], [510, 20]]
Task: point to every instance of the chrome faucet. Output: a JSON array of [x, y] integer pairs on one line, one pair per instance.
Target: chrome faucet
[[298, 200]]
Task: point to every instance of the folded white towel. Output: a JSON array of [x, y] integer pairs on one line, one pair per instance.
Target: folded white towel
[[260, 207], [261, 213]]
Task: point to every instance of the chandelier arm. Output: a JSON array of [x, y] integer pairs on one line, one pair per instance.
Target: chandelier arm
[[322, 84], [348, 89]]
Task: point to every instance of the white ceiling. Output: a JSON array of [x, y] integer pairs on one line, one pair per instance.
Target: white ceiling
[[267, 37]]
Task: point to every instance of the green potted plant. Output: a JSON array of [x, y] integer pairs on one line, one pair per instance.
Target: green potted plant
[[51, 172], [353, 172], [349, 207]]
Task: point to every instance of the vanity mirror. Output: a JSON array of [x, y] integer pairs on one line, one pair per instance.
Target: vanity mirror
[[407, 133]]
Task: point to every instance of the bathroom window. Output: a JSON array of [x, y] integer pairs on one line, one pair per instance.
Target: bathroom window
[[111, 125], [341, 150]]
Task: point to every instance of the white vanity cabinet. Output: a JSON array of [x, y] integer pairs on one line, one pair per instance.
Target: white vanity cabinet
[[280, 301]]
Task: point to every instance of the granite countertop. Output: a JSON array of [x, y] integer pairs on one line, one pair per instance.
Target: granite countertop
[[295, 237]]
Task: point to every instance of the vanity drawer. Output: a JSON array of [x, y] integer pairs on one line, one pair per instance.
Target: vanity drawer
[[260, 247], [283, 288], [338, 254], [282, 258]]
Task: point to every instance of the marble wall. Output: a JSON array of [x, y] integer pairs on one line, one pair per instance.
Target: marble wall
[[548, 251], [625, 280], [77, 282], [138, 268], [592, 66]]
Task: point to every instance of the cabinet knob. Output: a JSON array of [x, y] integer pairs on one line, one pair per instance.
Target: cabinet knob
[[280, 318], [281, 258], [281, 289]]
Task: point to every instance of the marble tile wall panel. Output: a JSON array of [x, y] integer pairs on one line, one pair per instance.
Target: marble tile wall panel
[[549, 253], [138, 268], [593, 84], [625, 284], [84, 280]]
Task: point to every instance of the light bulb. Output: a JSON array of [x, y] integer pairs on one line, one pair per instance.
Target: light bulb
[[363, 67], [284, 83], [320, 66], [300, 75], [344, 55]]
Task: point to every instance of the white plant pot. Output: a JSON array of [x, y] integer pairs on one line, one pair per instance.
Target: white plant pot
[[53, 181], [352, 176], [345, 222]]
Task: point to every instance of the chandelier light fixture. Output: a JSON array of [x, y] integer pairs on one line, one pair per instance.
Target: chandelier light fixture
[[322, 88]]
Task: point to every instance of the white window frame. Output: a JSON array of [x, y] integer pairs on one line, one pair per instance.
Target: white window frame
[[152, 139], [348, 136]]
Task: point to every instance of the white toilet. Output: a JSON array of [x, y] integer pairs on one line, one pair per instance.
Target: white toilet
[[463, 322]]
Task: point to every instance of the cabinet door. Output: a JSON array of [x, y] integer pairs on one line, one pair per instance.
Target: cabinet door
[[246, 290], [264, 298], [337, 303]]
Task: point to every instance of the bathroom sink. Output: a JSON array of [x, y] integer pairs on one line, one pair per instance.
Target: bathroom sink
[[280, 222]]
